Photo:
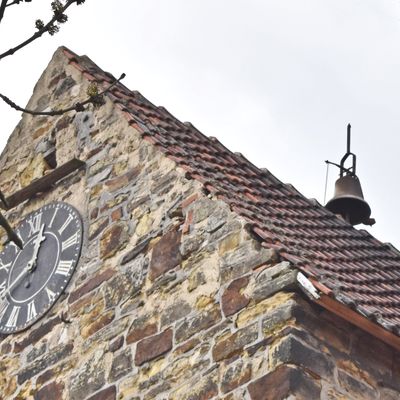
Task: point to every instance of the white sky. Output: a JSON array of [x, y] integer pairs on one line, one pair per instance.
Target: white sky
[[277, 80]]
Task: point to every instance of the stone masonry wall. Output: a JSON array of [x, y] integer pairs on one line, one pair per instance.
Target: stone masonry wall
[[172, 297]]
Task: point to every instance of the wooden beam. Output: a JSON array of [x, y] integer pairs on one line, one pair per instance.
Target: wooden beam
[[44, 183]]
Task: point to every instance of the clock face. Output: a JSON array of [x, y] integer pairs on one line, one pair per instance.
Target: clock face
[[32, 279]]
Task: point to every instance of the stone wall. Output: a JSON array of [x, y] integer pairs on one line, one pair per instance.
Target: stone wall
[[172, 297]]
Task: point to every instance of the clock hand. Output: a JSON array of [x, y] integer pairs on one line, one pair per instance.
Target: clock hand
[[16, 280], [39, 239]]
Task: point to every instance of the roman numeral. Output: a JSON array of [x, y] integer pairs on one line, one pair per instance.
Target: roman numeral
[[31, 311], [50, 294], [64, 267], [2, 287], [70, 241], [12, 320], [67, 221], [34, 223], [53, 217], [6, 267], [3, 307]]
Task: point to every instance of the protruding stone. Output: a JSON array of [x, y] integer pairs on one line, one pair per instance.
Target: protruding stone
[[233, 298]]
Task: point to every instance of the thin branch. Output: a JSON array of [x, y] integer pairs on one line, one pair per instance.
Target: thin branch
[[77, 107], [3, 6], [40, 32]]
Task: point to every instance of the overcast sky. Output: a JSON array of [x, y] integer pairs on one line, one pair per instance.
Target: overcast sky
[[277, 80]]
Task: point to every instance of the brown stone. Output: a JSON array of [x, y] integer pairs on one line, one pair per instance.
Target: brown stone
[[52, 391], [137, 333], [282, 382], [233, 344], [106, 394], [187, 346], [98, 324], [122, 180], [97, 227], [92, 283], [150, 348], [116, 214], [233, 300], [166, 254], [113, 239]]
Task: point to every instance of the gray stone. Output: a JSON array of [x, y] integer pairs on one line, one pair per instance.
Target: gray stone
[[248, 256], [121, 365], [90, 377], [175, 312]]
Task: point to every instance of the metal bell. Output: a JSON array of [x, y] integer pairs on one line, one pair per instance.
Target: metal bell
[[348, 201]]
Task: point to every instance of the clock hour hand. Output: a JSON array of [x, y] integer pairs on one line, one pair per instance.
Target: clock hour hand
[[39, 239]]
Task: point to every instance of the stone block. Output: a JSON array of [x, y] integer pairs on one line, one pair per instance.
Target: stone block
[[93, 283], [249, 255], [283, 383], [51, 358], [106, 394], [121, 365], [166, 254], [197, 323], [52, 391], [235, 375], [355, 387], [174, 312], [114, 238], [141, 327], [152, 347], [291, 350], [90, 377], [233, 298], [233, 344]]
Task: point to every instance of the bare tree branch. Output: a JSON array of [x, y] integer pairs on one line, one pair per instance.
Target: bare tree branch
[[41, 31], [3, 6], [94, 99]]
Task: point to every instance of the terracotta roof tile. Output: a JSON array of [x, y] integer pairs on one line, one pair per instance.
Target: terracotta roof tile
[[363, 273]]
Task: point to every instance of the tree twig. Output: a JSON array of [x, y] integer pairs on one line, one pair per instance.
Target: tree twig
[[77, 107], [3, 6], [40, 32]]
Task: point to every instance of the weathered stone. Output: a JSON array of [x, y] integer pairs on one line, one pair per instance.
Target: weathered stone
[[116, 344], [121, 365], [248, 256], [41, 364], [64, 85], [175, 312], [229, 243], [93, 283], [233, 344], [34, 170], [166, 254], [355, 387], [152, 347], [122, 180], [36, 352], [197, 323], [201, 389], [99, 323], [283, 382], [152, 393], [292, 350], [196, 279], [139, 248], [235, 375], [89, 378], [113, 239], [232, 299], [106, 394], [52, 391], [97, 227]]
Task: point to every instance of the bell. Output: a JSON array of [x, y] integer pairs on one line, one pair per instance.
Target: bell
[[349, 202]]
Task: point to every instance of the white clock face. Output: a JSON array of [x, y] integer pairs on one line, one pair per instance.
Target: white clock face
[[32, 279]]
